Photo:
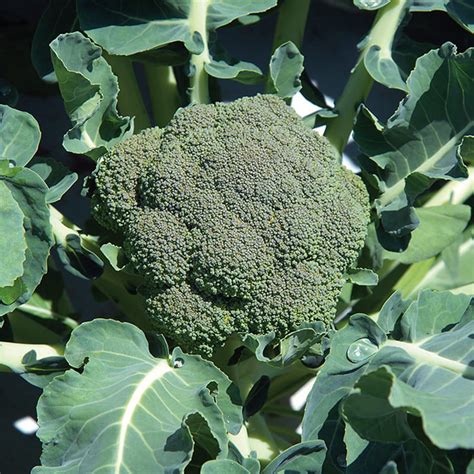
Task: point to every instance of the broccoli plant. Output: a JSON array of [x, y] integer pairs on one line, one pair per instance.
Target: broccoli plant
[[237, 217], [227, 286]]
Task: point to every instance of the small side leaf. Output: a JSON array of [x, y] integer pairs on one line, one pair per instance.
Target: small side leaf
[[56, 176], [286, 66], [362, 277], [302, 457], [89, 90]]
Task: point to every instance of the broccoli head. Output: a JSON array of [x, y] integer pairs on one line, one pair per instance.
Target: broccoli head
[[238, 218]]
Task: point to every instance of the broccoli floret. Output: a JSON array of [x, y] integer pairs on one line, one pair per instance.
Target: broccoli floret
[[238, 218]]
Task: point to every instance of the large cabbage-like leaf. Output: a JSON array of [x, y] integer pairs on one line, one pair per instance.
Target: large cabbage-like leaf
[[422, 141], [128, 411], [136, 26], [25, 192], [89, 90], [133, 26], [416, 360]]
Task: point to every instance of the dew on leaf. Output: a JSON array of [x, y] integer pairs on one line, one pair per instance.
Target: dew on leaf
[[361, 350]]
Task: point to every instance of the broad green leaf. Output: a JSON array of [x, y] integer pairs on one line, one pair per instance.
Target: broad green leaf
[[114, 255], [410, 456], [302, 457], [334, 381], [133, 26], [89, 90], [351, 454], [58, 17], [223, 465], [426, 371], [19, 136], [406, 51], [439, 227], [137, 408], [420, 142], [286, 66], [460, 10], [332, 433], [12, 238], [453, 268], [355, 445], [370, 414], [29, 192], [223, 66], [56, 176]]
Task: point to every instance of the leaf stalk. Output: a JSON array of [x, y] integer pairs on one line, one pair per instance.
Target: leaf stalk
[[360, 82]]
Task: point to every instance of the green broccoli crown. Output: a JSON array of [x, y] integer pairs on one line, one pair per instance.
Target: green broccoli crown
[[238, 217]]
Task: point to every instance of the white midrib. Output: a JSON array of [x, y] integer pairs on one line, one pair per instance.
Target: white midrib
[[156, 373], [423, 356]]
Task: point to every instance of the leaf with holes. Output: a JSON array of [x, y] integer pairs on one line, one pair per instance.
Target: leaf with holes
[[417, 361], [132, 26], [24, 198], [139, 410], [89, 90], [421, 141]]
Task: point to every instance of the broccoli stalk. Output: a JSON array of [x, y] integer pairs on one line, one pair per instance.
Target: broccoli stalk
[[14, 355], [199, 77]]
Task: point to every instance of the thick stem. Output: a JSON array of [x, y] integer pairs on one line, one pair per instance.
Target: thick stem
[[12, 355], [291, 23], [130, 101], [360, 82], [199, 77], [46, 313], [290, 26], [165, 99]]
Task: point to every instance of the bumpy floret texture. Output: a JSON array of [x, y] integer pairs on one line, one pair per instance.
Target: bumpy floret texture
[[238, 217]]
